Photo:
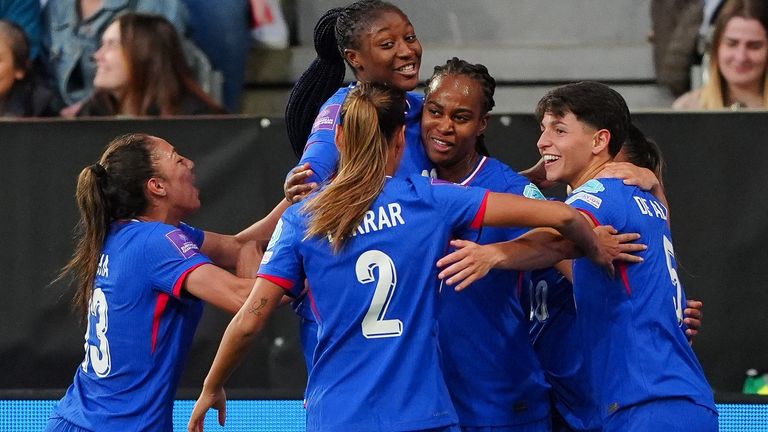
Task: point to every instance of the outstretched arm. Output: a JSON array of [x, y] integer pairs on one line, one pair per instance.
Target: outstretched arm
[[218, 287], [247, 323], [536, 249], [225, 250], [513, 210]]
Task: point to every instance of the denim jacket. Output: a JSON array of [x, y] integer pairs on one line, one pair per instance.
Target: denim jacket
[[70, 43]]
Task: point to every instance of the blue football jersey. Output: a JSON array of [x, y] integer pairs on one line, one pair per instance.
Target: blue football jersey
[[631, 324], [139, 329], [321, 151], [376, 366], [490, 368], [557, 342]]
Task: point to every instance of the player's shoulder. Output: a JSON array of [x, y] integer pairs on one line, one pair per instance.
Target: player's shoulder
[[328, 117], [510, 181]]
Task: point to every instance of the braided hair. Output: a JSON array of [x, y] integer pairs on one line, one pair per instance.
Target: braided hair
[[476, 72], [337, 30]]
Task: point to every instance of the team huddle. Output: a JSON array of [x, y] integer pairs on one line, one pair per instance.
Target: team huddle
[[439, 290]]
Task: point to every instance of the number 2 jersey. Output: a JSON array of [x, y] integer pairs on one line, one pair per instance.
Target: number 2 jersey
[[140, 328], [376, 366], [631, 324]]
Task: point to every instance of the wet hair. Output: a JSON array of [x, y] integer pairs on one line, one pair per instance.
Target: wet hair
[[478, 73], [17, 42], [372, 115], [714, 92], [109, 190], [643, 151], [337, 30], [592, 103], [158, 74]]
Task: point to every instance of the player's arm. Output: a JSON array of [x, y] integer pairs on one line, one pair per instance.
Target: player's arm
[[218, 287], [538, 248], [247, 323], [513, 210], [225, 250], [693, 317]]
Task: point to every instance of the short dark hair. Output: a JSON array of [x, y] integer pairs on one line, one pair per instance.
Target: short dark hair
[[592, 103]]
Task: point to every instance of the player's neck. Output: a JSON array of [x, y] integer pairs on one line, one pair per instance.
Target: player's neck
[[589, 172], [159, 214], [458, 171]]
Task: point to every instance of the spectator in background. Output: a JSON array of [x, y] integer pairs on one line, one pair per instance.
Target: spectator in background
[[22, 93], [222, 30], [738, 59], [25, 13], [72, 30], [674, 34], [141, 71]]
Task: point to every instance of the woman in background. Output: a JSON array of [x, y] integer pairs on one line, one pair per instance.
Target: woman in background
[[738, 60], [141, 71], [22, 93]]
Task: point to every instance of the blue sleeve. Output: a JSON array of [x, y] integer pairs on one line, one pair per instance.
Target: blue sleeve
[[601, 200], [282, 263], [197, 235], [169, 254], [462, 207], [321, 151]]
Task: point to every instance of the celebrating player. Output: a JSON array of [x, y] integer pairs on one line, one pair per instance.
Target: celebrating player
[[367, 243], [142, 276]]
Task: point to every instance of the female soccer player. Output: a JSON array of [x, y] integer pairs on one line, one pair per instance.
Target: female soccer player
[[377, 40], [367, 243], [142, 276], [631, 325]]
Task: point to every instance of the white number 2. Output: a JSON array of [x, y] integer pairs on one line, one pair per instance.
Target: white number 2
[[374, 325], [98, 355], [677, 300]]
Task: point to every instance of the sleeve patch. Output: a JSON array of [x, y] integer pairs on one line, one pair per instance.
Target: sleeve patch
[[531, 191], [592, 186], [186, 247], [326, 120], [587, 198]]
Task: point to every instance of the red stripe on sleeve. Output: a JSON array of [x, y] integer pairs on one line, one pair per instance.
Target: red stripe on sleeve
[[591, 217], [624, 277], [519, 284], [180, 281], [478, 221], [283, 283]]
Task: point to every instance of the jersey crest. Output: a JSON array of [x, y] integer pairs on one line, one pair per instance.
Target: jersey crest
[[327, 118], [185, 246]]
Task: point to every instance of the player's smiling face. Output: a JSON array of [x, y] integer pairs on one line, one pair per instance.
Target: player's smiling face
[[176, 175], [566, 146], [389, 52], [452, 120]]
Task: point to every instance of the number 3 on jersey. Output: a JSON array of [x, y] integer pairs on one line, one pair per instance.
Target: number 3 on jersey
[[374, 325], [97, 355]]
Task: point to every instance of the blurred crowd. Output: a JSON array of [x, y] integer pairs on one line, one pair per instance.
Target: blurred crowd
[[77, 58]]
